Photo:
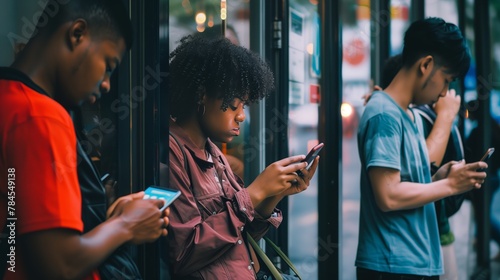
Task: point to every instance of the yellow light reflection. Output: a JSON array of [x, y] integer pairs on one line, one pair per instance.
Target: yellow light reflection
[[200, 18], [223, 11], [346, 110], [210, 22], [200, 28]]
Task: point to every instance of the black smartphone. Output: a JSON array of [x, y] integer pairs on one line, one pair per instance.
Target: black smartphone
[[485, 157], [313, 153], [488, 154]]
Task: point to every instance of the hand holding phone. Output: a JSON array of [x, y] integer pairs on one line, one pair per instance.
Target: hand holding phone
[[168, 195], [313, 153]]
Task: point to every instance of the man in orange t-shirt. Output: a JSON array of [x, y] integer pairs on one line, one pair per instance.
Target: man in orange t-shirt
[[69, 59]]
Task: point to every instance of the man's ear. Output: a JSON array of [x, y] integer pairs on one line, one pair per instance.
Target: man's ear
[[426, 64], [77, 33]]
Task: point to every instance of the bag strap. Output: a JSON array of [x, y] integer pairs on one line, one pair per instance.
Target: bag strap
[[264, 258], [283, 256], [426, 112]]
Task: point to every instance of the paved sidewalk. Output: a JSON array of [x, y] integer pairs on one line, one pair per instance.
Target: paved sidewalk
[[463, 228]]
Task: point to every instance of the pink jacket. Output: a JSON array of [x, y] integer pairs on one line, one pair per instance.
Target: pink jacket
[[207, 223]]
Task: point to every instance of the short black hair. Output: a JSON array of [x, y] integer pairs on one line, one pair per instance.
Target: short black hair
[[218, 68], [391, 68], [443, 40], [104, 17]]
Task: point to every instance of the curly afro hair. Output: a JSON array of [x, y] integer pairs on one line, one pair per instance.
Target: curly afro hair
[[217, 68]]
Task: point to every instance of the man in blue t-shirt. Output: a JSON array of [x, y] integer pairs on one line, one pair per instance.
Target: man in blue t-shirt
[[398, 229]]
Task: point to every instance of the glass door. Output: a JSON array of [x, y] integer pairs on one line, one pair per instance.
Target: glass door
[[303, 101]]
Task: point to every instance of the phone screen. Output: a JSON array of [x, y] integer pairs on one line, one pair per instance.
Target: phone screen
[[169, 195]]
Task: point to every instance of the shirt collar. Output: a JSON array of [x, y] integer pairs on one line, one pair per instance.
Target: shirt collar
[[196, 152], [9, 73]]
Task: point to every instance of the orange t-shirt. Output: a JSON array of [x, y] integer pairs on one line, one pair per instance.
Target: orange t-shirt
[[38, 163]]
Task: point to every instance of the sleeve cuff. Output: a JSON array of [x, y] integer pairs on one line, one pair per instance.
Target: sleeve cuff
[[245, 208], [244, 205], [275, 219]]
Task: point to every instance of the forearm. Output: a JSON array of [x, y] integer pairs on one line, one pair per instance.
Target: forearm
[[407, 195], [437, 140], [256, 195], [102, 241], [65, 254]]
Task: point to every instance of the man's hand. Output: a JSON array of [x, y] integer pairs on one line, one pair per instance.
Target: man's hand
[[448, 105], [367, 96], [116, 207], [463, 177], [144, 219], [128, 208], [443, 171]]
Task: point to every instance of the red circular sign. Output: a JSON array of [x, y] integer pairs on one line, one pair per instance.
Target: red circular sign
[[354, 51]]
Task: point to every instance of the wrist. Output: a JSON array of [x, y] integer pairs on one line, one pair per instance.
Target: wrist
[[450, 189], [446, 117], [280, 196], [121, 228], [256, 194]]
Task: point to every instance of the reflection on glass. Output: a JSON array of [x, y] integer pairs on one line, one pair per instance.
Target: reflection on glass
[[303, 131]]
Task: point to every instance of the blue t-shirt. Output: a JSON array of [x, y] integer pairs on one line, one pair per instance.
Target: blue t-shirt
[[405, 241]]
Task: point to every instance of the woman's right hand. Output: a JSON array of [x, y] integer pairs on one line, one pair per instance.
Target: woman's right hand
[[277, 177]]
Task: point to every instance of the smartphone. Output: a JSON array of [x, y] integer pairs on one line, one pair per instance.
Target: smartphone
[[155, 192], [488, 154], [313, 153], [485, 158]]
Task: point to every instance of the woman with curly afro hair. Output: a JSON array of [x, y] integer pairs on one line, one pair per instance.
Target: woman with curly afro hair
[[211, 81]]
